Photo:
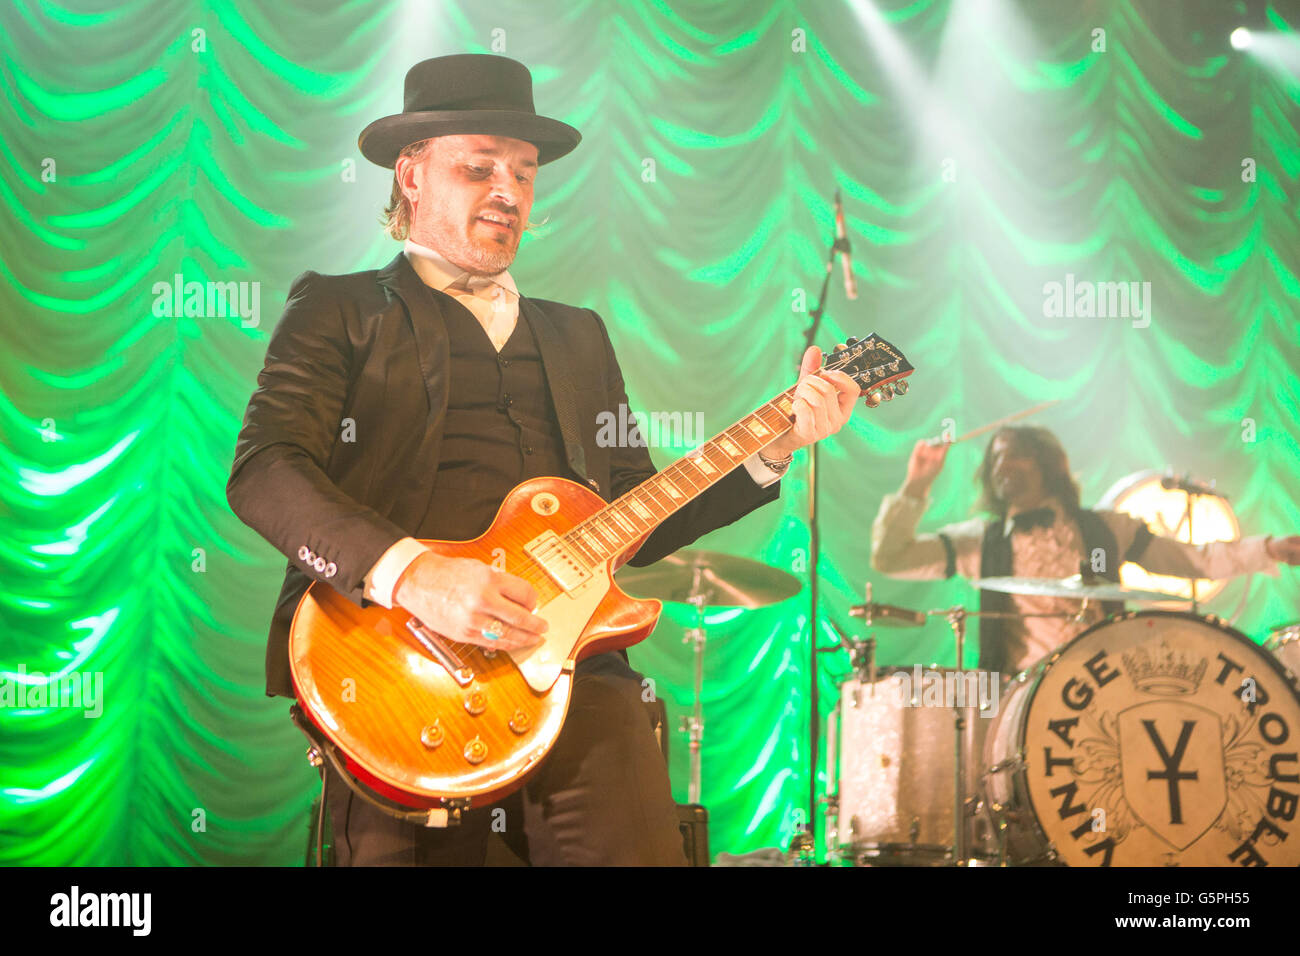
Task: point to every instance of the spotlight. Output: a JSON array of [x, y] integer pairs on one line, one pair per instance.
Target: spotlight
[[1240, 38]]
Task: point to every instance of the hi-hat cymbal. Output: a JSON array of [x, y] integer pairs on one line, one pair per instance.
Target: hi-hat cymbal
[[1074, 587], [722, 580]]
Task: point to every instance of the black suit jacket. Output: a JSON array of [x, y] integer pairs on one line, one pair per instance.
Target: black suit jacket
[[340, 441]]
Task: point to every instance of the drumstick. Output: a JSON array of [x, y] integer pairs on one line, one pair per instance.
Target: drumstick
[[999, 423]]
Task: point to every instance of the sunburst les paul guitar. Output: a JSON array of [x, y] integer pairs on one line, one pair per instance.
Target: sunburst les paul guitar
[[434, 723]]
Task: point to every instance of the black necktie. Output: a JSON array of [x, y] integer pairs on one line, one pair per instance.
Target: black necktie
[[1037, 518]]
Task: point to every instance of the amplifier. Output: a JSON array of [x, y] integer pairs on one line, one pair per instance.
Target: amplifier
[[693, 820]]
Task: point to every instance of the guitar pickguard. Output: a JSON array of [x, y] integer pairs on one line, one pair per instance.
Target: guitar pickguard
[[568, 615]]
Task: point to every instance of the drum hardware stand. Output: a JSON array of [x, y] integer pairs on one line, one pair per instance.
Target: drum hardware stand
[[1192, 490], [863, 658], [1191, 497], [863, 653], [956, 617], [957, 620], [831, 801], [693, 726]]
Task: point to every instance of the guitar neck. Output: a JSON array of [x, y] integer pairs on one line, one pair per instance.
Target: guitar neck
[[623, 522], [627, 519]]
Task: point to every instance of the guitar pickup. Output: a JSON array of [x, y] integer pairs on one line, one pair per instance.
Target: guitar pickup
[[560, 562], [440, 652]]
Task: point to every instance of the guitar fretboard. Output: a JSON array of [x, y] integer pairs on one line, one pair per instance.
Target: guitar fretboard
[[625, 520]]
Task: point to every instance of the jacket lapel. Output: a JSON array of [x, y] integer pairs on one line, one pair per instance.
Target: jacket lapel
[[559, 381], [431, 343], [401, 282]]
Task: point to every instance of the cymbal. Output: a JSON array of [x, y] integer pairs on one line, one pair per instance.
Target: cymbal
[[887, 615], [722, 580], [1073, 587], [1284, 632]]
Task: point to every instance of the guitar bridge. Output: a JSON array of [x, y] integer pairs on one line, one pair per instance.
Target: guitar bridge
[[441, 653], [560, 562]]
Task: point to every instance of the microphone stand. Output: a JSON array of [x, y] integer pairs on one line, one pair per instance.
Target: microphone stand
[[1192, 490], [809, 839]]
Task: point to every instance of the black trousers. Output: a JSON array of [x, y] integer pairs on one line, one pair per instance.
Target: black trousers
[[601, 797]]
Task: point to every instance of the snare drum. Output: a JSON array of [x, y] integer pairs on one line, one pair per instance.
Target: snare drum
[[1154, 738], [896, 746]]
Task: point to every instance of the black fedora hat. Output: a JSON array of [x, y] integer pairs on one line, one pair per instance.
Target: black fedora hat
[[462, 94]]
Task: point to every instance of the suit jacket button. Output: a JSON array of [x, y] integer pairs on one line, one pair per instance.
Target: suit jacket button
[[320, 564], [331, 569], [304, 553]]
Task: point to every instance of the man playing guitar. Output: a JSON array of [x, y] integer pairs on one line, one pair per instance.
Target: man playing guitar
[[405, 403]]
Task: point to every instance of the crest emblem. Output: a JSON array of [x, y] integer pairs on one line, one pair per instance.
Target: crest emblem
[[1172, 768]]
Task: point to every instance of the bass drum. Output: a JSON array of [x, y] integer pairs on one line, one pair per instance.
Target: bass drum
[[1154, 738]]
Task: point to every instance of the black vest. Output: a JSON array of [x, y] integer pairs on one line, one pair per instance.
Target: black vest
[[500, 427], [995, 561]]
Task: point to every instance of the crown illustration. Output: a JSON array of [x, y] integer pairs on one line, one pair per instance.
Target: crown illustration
[[1163, 672]]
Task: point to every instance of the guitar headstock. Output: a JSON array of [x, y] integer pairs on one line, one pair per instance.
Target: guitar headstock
[[877, 367]]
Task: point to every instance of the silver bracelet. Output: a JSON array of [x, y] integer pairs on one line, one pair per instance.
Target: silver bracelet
[[779, 465]]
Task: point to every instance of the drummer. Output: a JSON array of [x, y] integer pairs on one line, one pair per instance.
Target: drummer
[[1039, 530]]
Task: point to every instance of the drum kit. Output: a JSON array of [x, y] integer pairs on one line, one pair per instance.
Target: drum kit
[[1152, 738]]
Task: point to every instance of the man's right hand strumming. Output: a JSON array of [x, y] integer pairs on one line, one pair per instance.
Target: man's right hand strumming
[[923, 467], [466, 600]]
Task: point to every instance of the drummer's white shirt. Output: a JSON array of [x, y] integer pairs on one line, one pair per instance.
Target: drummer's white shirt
[[1053, 552]]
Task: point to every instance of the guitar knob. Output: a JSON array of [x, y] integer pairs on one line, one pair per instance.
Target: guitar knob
[[476, 702], [900, 387], [476, 751], [520, 722], [432, 736]]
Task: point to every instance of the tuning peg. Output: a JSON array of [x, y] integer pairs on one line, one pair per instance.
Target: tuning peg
[[887, 391], [900, 387], [873, 398]]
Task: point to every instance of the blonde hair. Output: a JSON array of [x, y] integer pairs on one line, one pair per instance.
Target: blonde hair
[[397, 215]]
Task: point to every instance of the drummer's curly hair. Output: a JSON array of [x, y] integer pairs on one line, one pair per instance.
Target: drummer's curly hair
[[1046, 449]]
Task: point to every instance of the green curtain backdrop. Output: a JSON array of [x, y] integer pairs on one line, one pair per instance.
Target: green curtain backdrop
[[983, 150]]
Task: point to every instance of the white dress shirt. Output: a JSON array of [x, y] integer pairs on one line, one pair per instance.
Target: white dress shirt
[[494, 301]]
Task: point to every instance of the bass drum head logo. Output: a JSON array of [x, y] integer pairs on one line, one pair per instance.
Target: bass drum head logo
[[1181, 800], [1164, 739]]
